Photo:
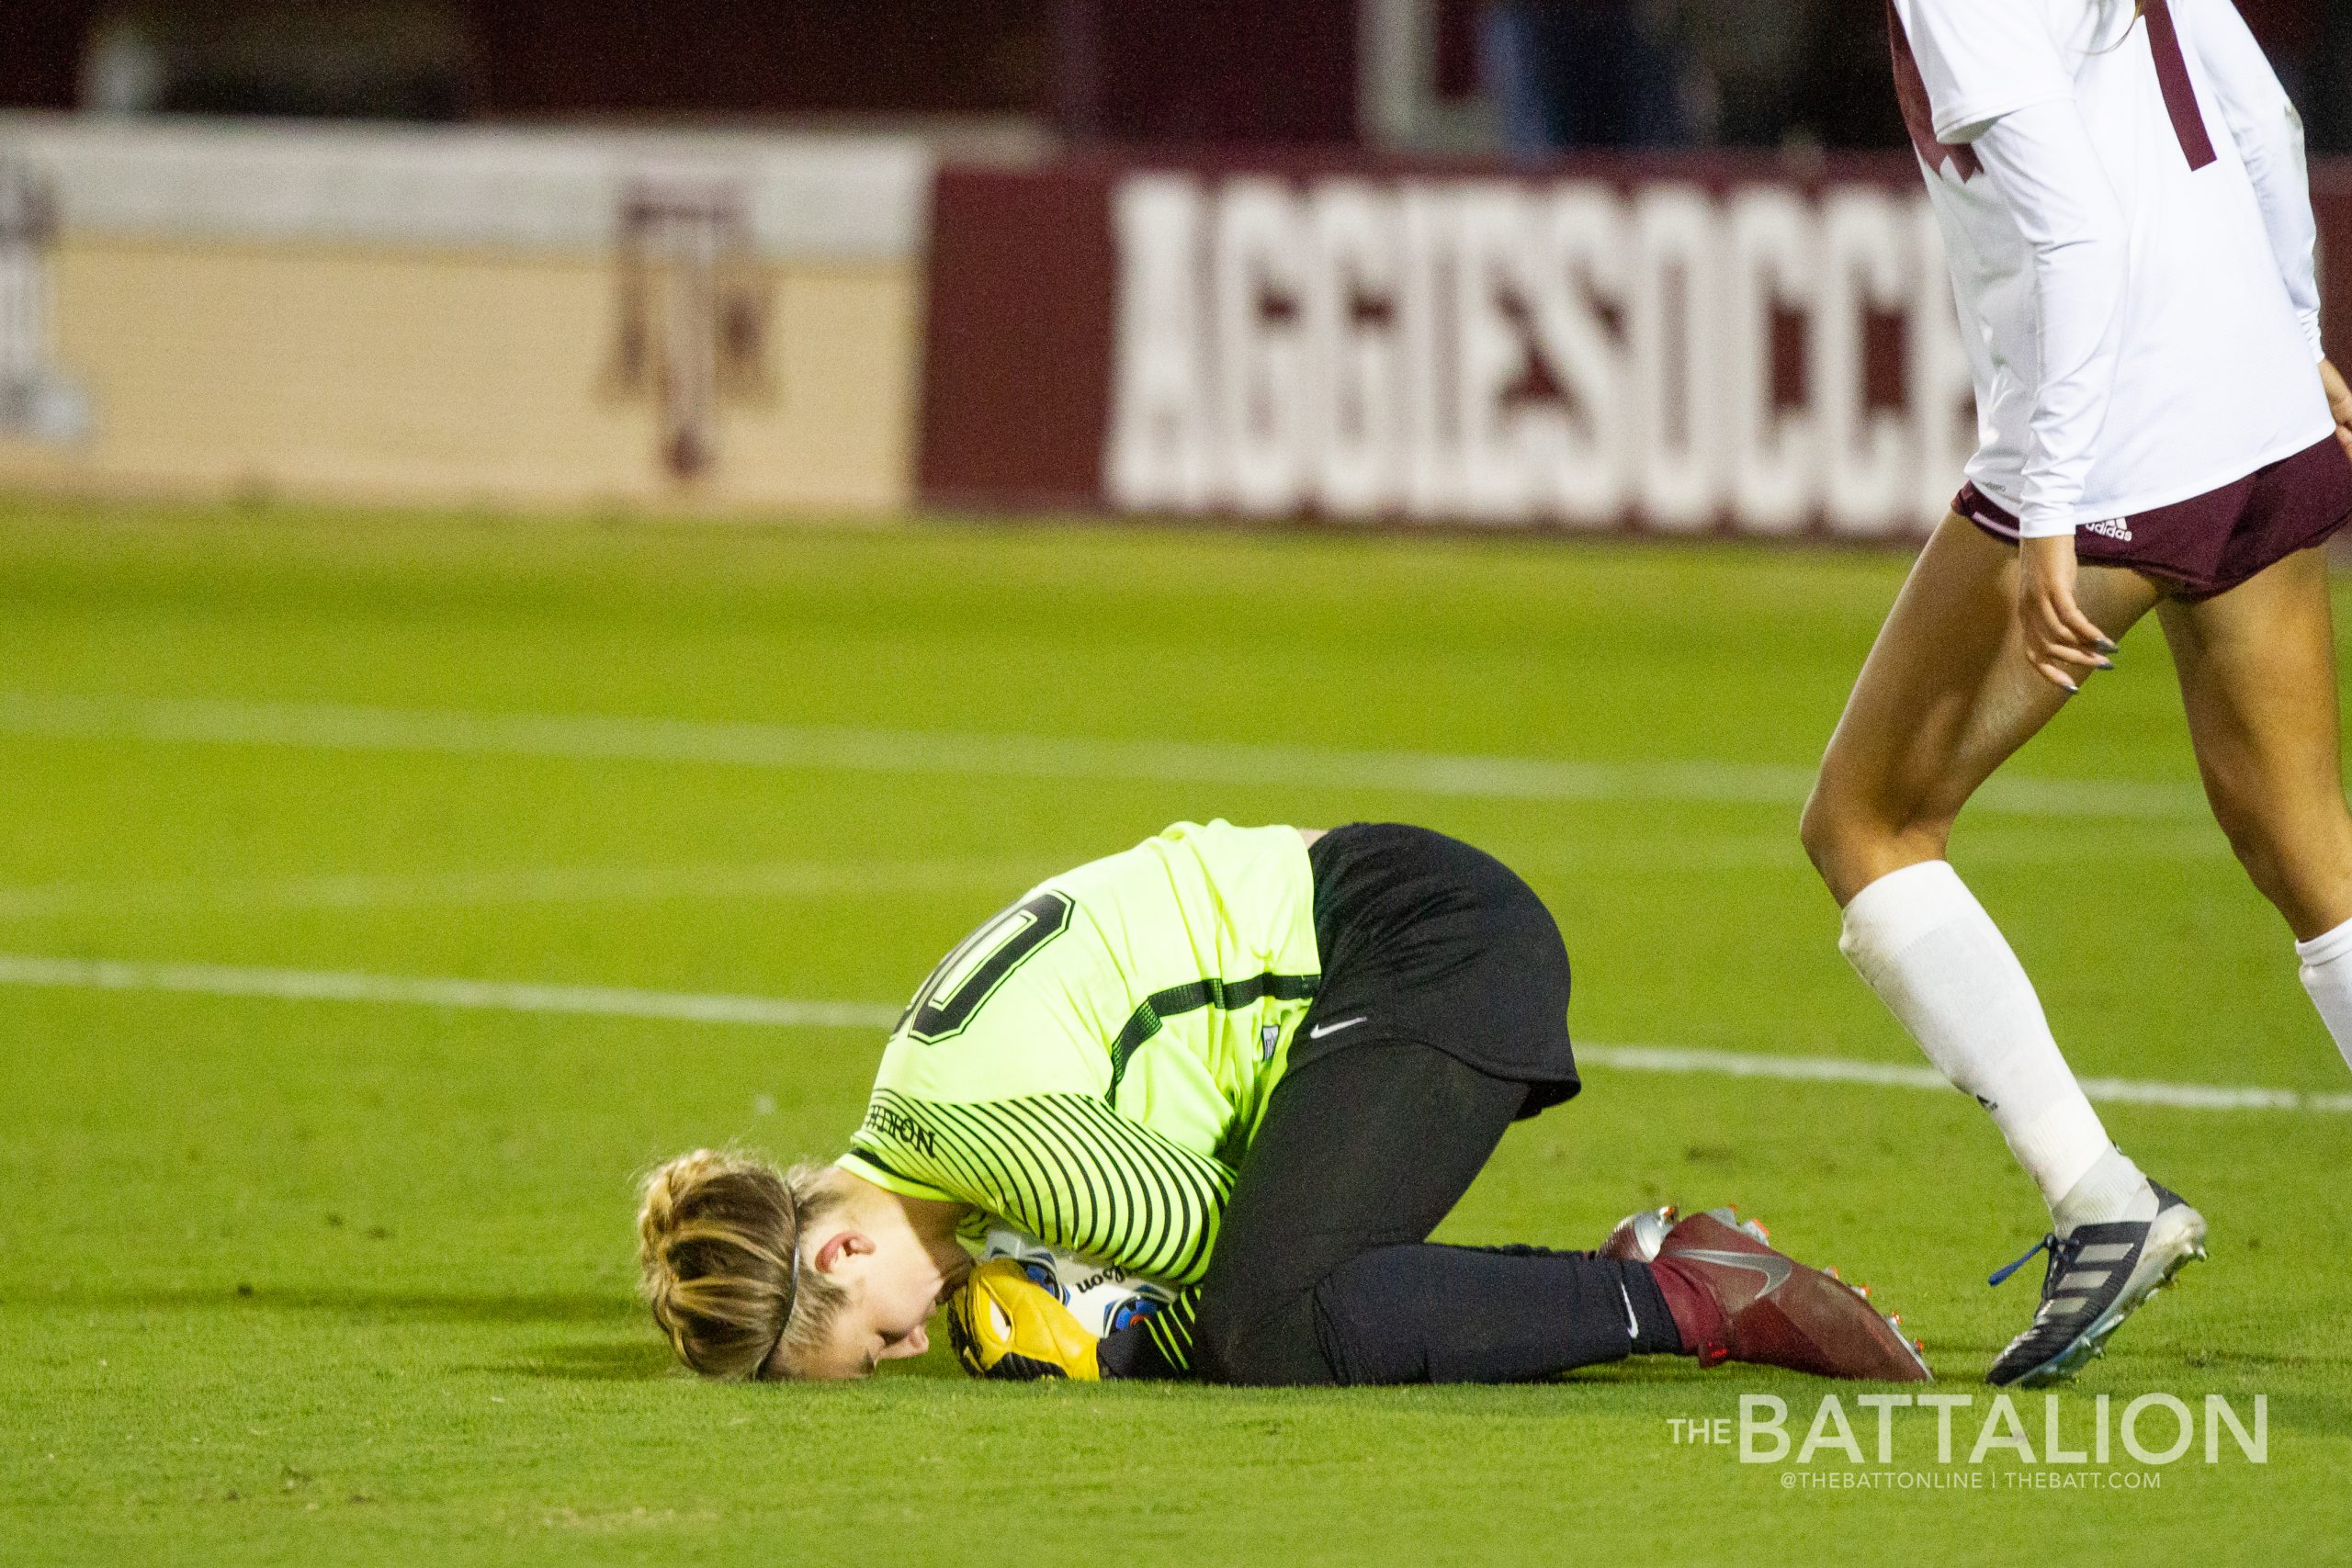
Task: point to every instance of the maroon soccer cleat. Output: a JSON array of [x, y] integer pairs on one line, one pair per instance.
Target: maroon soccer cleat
[[1734, 1298], [1639, 1236]]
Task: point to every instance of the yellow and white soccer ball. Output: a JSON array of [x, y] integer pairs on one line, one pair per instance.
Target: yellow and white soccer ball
[[1102, 1297]]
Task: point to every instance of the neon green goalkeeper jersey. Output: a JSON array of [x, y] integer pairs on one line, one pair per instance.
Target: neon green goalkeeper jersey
[[1090, 1064]]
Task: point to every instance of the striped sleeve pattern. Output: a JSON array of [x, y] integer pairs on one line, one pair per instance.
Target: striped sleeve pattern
[[1065, 1168]]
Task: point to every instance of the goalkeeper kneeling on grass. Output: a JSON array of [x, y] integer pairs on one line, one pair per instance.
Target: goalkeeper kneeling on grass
[[1259, 1065]]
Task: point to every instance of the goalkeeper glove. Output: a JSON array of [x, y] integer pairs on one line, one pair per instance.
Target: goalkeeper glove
[[1005, 1325]]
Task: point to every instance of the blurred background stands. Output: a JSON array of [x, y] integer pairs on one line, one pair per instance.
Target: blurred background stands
[[1528, 76]]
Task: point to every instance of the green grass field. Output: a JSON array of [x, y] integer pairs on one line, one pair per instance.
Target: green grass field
[[330, 1280]]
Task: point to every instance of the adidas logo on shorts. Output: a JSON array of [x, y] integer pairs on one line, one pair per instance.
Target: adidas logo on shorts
[[2114, 528]]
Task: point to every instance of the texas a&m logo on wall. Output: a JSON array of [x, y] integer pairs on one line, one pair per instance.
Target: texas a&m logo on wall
[[693, 314], [35, 399]]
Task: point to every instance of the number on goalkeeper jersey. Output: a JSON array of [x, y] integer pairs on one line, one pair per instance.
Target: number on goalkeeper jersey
[[982, 962]]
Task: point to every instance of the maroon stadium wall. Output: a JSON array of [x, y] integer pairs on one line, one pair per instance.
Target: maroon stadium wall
[[1701, 346]]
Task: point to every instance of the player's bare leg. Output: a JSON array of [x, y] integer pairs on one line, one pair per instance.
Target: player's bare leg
[[1947, 696], [2258, 676]]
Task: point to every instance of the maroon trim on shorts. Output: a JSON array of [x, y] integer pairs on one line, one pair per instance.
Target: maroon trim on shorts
[[1986, 514], [2211, 543]]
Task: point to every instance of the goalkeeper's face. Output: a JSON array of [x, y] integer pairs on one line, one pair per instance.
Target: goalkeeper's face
[[891, 1286]]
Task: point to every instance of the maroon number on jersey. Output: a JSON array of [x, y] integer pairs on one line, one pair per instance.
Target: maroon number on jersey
[[1918, 117], [2172, 76], [2180, 93]]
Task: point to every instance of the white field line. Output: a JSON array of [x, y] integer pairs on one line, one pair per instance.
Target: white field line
[[846, 749], [499, 996], [525, 884], [313, 984], [1838, 1069]]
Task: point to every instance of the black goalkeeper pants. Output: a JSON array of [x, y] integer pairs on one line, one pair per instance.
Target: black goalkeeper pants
[[1441, 1020], [1324, 1272]]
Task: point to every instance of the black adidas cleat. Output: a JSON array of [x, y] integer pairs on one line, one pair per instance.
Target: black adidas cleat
[[2096, 1277]]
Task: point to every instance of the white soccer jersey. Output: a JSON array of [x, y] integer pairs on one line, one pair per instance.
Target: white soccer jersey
[[2127, 217]]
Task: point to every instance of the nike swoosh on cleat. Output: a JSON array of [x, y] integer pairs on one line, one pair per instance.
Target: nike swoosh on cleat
[[1320, 1030], [1775, 1268]]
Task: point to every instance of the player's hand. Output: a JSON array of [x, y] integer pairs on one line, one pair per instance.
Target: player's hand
[[2059, 641], [1004, 1325], [2339, 402]]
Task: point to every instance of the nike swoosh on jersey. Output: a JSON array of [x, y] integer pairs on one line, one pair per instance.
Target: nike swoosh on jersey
[[1320, 1030], [1775, 1268]]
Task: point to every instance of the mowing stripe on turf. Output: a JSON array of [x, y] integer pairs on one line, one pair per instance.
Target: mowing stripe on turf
[[523, 885], [610, 738], [317, 984], [783, 880]]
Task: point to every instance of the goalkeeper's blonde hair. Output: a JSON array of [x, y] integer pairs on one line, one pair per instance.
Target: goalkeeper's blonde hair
[[718, 1241]]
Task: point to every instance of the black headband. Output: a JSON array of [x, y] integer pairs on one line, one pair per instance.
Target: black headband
[[791, 1289]]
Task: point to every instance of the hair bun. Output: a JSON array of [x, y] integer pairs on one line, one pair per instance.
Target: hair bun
[[715, 1237], [671, 1191]]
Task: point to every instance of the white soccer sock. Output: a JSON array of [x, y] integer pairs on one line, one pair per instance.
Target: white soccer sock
[[1937, 961], [2327, 975]]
